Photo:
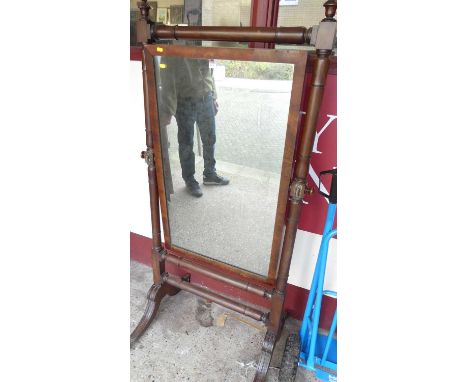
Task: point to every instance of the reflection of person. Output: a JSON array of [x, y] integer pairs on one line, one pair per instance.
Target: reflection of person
[[189, 93]]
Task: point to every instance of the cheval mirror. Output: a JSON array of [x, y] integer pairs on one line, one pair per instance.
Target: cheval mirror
[[229, 133]]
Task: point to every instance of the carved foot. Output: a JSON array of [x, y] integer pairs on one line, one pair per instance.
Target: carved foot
[[265, 356], [154, 297]]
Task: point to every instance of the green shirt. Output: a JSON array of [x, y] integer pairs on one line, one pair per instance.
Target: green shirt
[[183, 78]]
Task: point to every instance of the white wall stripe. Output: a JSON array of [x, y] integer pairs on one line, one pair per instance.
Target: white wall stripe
[[139, 211], [305, 254]]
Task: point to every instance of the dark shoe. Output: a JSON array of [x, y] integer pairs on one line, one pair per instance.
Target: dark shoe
[[193, 188], [215, 179]]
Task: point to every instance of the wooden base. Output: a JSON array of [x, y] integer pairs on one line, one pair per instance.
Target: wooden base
[[154, 297]]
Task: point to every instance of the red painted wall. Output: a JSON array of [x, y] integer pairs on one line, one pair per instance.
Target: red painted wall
[[323, 158]]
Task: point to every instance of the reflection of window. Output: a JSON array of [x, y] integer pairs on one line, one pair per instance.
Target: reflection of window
[[134, 16], [201, 12], [306, 13], [176, 14], [289, 2]]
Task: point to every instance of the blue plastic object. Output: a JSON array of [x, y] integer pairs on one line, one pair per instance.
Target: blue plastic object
[[318, 351]]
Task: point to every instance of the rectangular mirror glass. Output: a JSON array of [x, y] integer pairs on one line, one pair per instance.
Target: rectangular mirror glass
[[223, 126]]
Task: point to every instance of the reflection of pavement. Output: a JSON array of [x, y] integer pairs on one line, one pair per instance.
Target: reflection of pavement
[[233, 223], [251, 122]]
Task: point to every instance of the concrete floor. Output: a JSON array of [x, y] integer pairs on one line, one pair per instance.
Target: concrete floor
[[192, 340]]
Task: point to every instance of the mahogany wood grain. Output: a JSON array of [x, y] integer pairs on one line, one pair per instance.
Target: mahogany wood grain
[[299, 59]]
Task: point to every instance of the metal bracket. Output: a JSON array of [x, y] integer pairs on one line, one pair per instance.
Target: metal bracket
[[278, 293], [148, 156], [268, 294], [298, 189], [186, 277]]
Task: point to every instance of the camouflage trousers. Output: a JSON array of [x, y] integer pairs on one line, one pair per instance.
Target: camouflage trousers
[[199, 110]]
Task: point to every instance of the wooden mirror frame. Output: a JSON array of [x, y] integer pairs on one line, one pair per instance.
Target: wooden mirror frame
[[299, 60], [272, 291]]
